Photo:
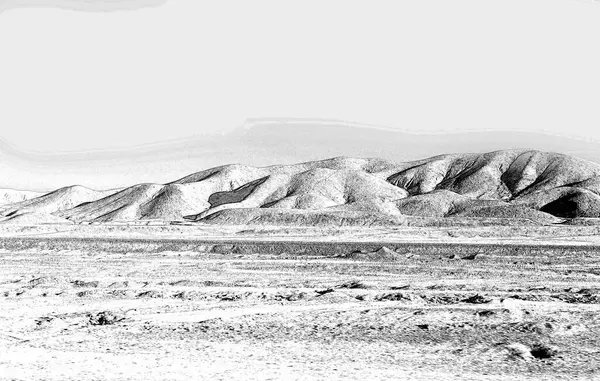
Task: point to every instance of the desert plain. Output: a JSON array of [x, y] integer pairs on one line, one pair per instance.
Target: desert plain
[[194, 301]]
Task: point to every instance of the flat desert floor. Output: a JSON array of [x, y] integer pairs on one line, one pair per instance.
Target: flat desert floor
[[185, 303]]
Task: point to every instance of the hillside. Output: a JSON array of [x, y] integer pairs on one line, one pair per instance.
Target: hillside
[[10, 196], [58, 200], [531, 185]]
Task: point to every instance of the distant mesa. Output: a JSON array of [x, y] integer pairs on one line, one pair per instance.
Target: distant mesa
[[540, 187]]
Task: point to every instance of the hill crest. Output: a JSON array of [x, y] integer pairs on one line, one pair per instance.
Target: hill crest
[[544, 187]]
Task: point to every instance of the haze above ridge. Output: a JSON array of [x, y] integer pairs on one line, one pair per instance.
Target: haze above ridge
[[260, 142]]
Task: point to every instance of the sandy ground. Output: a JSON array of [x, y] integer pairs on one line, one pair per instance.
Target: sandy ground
[[85, 311], [549, 234]]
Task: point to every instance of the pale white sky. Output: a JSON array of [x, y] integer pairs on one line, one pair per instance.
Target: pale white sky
[[88, 80]]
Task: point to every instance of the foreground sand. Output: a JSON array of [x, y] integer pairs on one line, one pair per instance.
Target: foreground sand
[[254, 308]]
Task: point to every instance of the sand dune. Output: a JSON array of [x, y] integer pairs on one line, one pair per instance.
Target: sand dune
[[538, 186]]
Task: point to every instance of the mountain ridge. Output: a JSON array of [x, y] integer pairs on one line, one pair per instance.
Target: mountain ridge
[[540, 186]]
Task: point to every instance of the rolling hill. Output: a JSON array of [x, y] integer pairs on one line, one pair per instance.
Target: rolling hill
[[520, 184], [10, 196], [58, 200]]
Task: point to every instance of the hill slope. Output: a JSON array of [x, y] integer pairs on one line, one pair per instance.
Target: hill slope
[[538, 186], [60, 199], [10, 196]]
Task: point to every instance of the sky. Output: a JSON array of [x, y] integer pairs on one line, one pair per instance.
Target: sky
[[73, 79]]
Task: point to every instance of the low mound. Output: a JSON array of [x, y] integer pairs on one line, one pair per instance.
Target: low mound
[[438, 203], [280, 217], [382, 254], [439, 222], [443, 203], [508, 211], [31, 218]]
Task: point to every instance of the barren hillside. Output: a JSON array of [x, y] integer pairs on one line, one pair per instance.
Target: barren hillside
[[9, 196], [539, 186]]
